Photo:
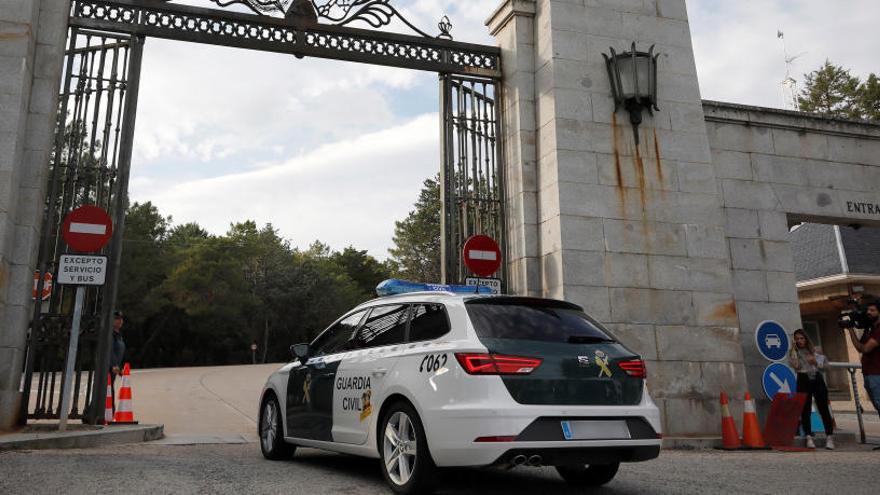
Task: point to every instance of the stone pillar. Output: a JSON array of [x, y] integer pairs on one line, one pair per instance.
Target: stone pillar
[[635, 234], [513, 25], [32, 37]]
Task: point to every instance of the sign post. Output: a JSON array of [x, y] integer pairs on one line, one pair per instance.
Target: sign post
[[85, 229]]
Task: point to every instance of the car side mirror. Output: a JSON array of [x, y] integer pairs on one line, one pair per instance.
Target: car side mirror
[[300, 351]]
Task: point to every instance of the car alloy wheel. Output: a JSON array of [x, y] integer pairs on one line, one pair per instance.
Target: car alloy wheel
[[400, 448], [269, 425], [272, 442]]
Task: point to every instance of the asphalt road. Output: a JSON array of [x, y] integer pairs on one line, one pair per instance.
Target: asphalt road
[[159, 469]]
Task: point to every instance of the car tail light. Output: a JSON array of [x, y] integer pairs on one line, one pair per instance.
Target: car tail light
[[496, 364], [635, 368]]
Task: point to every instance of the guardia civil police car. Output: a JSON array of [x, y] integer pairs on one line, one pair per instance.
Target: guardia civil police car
[[424, 380]]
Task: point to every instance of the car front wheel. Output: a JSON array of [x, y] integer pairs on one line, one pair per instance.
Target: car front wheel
[[406, 462], [591, 475], [271, 432]]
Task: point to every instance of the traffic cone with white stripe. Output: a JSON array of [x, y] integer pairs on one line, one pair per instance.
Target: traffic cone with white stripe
[[752, 437], [124, 412], [108, 402], [729, 436]]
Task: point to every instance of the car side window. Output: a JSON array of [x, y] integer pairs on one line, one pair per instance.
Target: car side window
[[429, 322], [338, 337], [386, 325]]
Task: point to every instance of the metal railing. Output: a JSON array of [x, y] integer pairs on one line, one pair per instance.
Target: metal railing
[[851, 368]]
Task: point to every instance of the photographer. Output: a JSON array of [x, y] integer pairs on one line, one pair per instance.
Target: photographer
[[869, 347]]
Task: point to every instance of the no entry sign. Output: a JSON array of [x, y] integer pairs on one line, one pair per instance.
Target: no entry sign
[[87, 229], [482, 255]]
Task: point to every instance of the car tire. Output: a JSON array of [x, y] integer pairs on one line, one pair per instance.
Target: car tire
[[406, 461], [271, 432], [589, 475]]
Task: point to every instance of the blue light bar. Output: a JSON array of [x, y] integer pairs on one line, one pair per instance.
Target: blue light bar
[[394, 286]]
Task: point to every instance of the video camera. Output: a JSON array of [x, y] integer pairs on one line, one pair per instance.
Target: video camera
[[856, 317]]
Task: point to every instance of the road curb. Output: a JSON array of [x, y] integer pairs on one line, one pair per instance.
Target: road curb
[[705, 443], [691, 443], [103, 436]]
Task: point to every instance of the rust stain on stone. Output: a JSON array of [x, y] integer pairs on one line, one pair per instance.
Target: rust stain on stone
[[725, 311], [640, 174], [11, 35], [657, 157]]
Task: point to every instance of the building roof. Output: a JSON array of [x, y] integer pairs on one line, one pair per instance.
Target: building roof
[[817, 254], [862, 249], [814, 247]]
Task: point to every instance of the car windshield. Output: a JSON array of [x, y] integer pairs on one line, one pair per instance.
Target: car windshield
[[534, 319]]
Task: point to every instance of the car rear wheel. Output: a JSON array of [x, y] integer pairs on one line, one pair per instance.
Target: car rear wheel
[[406, 462], [589, 475], [271, 432]]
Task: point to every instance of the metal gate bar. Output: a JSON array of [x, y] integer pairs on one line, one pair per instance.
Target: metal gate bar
[[83, 170], [472, 192]]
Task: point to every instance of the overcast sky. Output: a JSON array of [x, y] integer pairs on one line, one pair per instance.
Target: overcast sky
[[338, 151]]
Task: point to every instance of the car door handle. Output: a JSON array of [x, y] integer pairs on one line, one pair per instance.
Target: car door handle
[[380, 372]]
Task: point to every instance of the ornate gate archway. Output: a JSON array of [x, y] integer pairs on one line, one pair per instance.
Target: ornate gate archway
[[96, 121]]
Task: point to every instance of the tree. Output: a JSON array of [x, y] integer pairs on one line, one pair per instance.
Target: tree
[[416, 255], [869, 98], [831, 91], [362, 268]]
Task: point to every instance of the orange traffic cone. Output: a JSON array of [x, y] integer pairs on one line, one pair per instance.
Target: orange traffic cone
[[108, 402], [124, 413], [729, 436], [752, 437]]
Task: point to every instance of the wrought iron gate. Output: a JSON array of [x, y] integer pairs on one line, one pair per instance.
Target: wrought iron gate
[[472, 179], [95, 130], [89, 165]]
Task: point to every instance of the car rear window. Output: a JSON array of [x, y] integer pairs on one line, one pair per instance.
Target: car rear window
[[533, 319]]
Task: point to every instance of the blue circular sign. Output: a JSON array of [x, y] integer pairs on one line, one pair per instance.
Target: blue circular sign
[[772, 340], [779, 378]]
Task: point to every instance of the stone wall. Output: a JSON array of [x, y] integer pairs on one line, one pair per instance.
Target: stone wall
[[32, 36], [636, 235], [777, 168]]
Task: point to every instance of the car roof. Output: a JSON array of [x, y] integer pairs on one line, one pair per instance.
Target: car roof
[[441, 296]]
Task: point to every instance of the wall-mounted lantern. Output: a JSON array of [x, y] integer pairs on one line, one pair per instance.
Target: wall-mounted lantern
[[633, 78]]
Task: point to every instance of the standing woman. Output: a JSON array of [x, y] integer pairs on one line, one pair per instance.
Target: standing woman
[[808, 363]]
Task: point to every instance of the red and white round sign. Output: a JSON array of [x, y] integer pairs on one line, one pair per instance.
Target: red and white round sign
[[47, 286], [482, 255], [87, 229]]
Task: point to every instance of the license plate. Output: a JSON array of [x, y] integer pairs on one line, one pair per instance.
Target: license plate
[[595, 430]]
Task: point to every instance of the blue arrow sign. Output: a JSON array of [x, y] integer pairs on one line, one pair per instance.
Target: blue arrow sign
[[772, 340], [778, 378]]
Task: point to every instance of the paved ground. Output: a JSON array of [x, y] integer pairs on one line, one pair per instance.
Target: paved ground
[[201, 402], [158, 469]]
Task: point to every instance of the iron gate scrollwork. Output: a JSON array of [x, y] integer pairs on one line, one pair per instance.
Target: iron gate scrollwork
[[294, 35], [89, 159], [472, 178]]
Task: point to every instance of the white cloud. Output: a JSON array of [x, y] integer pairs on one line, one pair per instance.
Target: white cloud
[[347, 192], [740, 59], [216, 125]]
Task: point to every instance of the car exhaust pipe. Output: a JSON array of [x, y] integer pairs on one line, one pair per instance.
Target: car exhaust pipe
[[519, 460], [535, 460]]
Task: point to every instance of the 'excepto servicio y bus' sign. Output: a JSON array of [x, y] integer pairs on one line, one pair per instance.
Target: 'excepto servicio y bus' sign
[[76, 269]]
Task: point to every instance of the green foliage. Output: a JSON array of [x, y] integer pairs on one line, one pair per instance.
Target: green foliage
[[191, 298], [869, 98], [416, 255], [833, 91]]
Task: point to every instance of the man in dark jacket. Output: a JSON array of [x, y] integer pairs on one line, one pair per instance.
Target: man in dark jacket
[[117, 351]]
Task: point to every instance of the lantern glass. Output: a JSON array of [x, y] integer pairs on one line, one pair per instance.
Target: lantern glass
[[636, 78]]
